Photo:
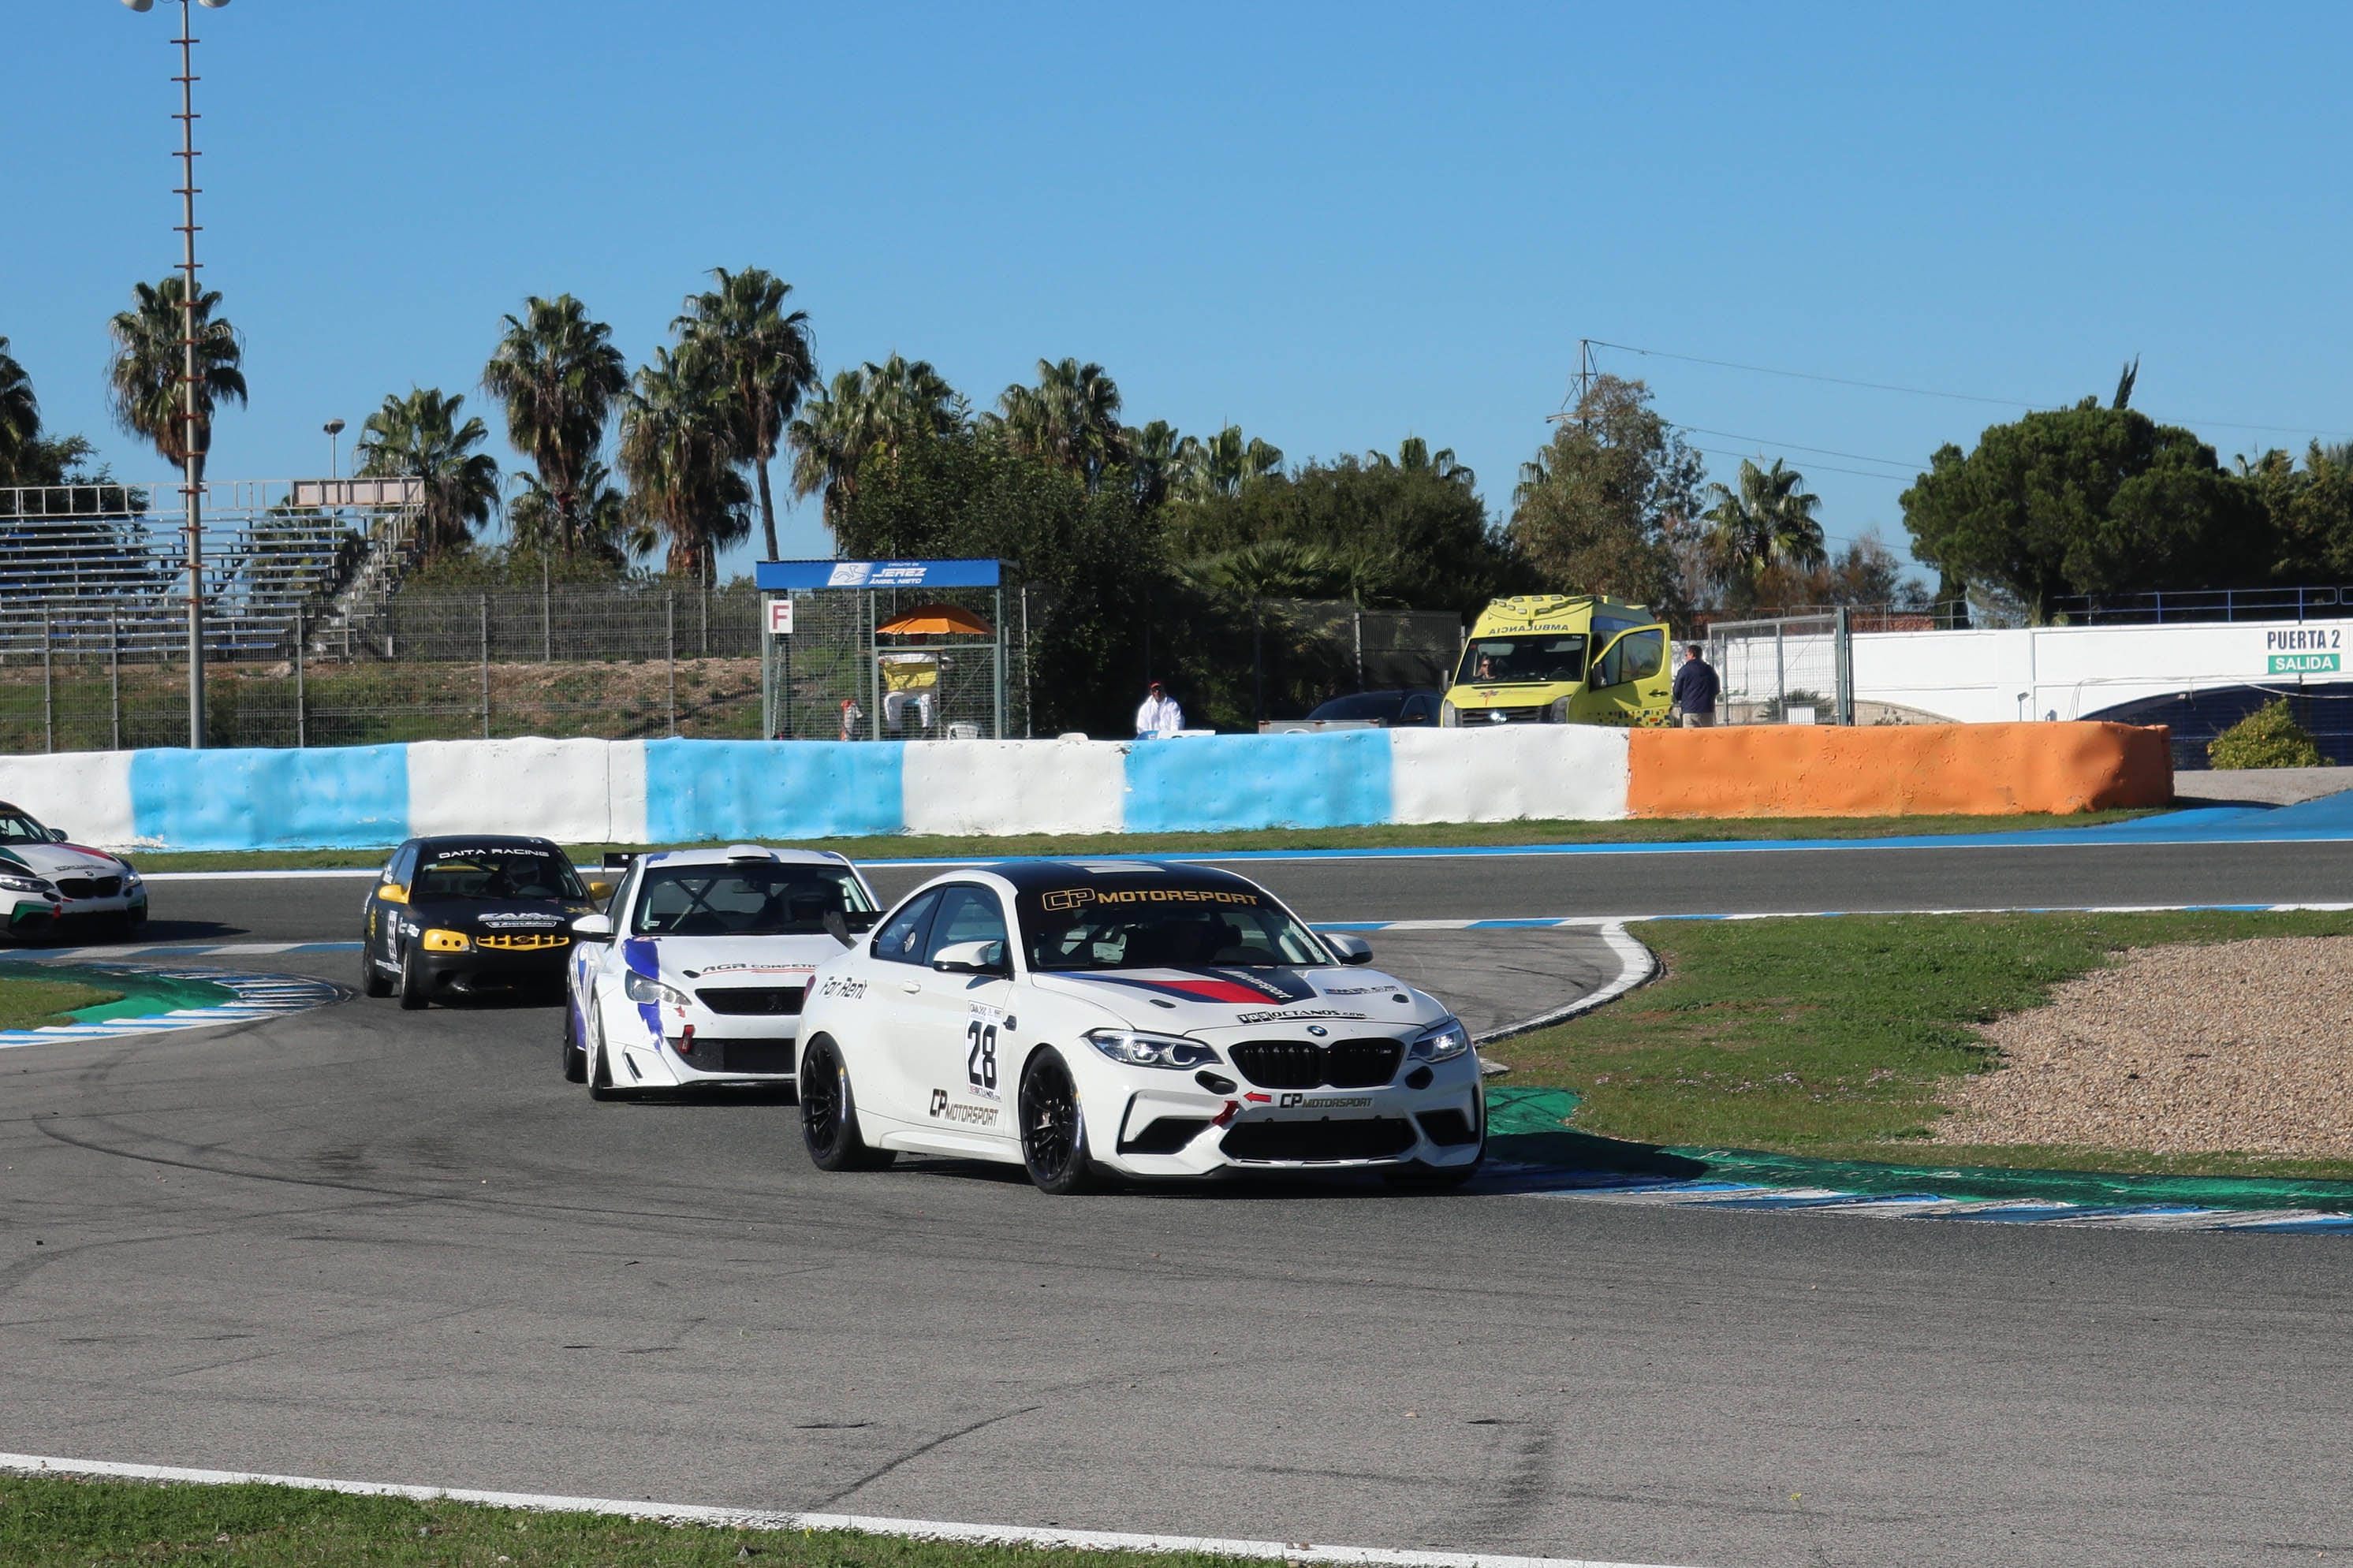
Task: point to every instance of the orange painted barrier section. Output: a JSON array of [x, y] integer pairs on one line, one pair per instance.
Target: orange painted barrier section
[[1898, 770]]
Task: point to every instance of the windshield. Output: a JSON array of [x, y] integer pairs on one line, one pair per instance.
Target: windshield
[[17, 828], [757, 899], [496, 871], [1161, 923], [1363, 705], [1497, 661]]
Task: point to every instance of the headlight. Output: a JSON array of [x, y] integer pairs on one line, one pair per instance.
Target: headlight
[[1560, 710], [439, 941], [641, 989], [1447, 718], [1442, 1044], [28, 885], [1137, 1050]]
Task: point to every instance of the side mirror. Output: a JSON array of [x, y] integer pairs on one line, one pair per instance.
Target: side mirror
[[600, 892], [392, 893], [57, 836], [1349, 949], [971, 958], [860, 919], [593, 928]]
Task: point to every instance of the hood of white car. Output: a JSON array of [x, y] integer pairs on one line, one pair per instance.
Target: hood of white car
[[731, 960], [1215, 1002], [55, 860]]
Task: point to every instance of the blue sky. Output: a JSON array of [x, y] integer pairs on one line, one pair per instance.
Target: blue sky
[[1335, 225]]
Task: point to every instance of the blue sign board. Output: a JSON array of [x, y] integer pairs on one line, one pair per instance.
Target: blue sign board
[[775, 575]]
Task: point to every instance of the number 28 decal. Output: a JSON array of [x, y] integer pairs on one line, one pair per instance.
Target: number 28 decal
[[980, 1054]]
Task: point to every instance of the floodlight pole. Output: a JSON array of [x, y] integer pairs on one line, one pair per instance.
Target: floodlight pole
[[192, 460]]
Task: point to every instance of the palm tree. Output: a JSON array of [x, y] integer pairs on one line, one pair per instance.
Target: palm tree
[[876, 408], [1157, 454], [20, 415], [559, 375], [607, 526], [1070, 419], [1414, 456], [419, 437], [764, 358], [678, 448], [1288, 569], [145, 375], [1768, 523], [1224, 463]]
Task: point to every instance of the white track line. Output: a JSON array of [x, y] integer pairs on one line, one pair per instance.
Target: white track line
[[757, 1518], [1636, 964]]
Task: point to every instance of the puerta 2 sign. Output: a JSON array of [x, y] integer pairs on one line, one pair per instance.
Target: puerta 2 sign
[[2304, 650]]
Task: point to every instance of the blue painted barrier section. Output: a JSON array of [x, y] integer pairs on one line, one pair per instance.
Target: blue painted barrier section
[[322, 797], [698, 791], [1259, 781]]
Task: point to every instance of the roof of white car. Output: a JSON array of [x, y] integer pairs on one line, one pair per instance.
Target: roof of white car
[[741, 854]]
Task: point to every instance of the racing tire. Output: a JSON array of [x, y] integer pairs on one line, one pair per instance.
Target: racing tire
[[829, 1114], [372, 980], [416, 991], [1054, 1128], [600, 1068], [576, 1056]]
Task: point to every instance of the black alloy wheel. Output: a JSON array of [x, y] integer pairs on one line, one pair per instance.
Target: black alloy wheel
[[1053, 1131], [372, 982], [416, 989], [829, 1115], [575, 1059]]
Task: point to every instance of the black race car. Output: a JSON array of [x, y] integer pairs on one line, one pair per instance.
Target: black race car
[[472, 913]]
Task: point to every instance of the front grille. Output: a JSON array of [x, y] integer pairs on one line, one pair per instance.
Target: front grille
[[1505, 716], [89, 887], [1305, 1064], [1447, 1128], [770, 1000], [1377, 1137], [523, 941], [1165, 1135], [750, 1056]]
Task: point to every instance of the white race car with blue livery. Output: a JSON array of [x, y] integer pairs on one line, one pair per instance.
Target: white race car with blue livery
[[1129, 1018], [695, 975], [45, 880]]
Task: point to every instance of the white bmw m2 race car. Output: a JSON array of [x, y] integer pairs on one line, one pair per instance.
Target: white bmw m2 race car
[[695, 973], [1125, 1017]]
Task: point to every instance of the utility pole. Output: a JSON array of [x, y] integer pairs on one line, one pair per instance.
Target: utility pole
[[191, 489], [1582, 381]]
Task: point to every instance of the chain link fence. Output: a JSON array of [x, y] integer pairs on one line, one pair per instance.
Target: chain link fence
[[612, 663], [1793, 669]]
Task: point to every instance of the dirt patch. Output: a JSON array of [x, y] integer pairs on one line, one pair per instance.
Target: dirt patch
[[2241, 1046]]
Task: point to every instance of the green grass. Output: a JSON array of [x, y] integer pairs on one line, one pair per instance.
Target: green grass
[[1430, 836], [1837, 1037], [30, 1003], [45, 1521]]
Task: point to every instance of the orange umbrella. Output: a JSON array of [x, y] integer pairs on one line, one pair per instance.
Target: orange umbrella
[[934, 621]]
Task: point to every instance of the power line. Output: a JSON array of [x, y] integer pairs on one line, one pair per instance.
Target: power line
[[2024, 403], [1793, 447], [1814, 468]]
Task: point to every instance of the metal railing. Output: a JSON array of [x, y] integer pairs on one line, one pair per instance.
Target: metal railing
[[1791, 669], [2163, 605]]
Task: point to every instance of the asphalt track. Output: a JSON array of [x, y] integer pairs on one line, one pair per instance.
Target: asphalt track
[[362, 1243]]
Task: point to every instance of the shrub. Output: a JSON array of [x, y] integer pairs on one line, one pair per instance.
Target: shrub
[[2267, 738]]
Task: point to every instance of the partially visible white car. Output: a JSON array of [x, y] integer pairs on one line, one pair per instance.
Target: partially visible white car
[[696, 973], [1142, 1020], [45, 880]]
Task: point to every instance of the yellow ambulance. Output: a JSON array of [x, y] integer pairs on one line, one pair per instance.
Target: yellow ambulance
[[1556, 658]]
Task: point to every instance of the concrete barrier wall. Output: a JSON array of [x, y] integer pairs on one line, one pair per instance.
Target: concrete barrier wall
[[674, 792], [1973, 769]]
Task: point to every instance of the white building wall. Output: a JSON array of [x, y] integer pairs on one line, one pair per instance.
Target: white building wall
[[2068, 672]]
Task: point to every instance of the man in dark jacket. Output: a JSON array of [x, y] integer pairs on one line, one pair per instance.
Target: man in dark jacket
[[1696, 690]]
